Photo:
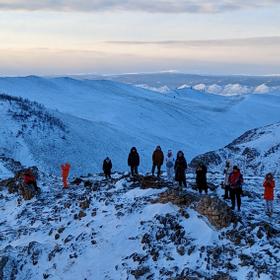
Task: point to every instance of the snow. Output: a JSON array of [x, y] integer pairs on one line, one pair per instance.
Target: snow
[[162, 89], [261, 89], [124, 213], [4, 172], [105, 118]]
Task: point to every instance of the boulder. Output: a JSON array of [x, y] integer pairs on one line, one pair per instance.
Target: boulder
[[217, 211]]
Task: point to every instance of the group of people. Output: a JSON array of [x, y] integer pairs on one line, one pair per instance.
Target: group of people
[[232, 184], [179, 166]]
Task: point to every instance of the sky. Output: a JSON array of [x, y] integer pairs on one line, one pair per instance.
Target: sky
[[57, 37]]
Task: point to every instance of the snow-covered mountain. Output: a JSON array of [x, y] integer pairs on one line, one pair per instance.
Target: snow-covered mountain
[[257, 152], [133, 228], [221, 85], [103, 118]]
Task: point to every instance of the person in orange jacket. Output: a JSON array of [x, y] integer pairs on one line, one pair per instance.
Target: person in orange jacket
[[269, 185], [65, 169]]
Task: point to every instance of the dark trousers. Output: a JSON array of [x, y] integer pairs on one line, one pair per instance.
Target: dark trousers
[[107, 174], [227, 190], [202, 188], [235, 194], [134, 170], [158, 169], [34, 185], [182, 182]]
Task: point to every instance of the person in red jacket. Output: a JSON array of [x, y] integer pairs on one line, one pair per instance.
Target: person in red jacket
[[30, 180], [235, 183], [269, 185], [65, 169]]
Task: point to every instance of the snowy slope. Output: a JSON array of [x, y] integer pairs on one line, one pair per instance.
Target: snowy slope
[[108, 118], [4, 172], [257, 152], [121, 232]]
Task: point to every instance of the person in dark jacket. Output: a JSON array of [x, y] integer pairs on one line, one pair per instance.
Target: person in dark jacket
[[158, 158], [133, 161], [107, 167], [201, 178], [235, 184], [180, 169], [30, 180]]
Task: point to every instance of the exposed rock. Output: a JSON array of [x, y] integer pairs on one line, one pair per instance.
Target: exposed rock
[[81, 214], [181, 250], [88, 184], [137, 273], [27, 191], [150, 182], [84, 204], [218, 212], [77, 181], [180, 199]]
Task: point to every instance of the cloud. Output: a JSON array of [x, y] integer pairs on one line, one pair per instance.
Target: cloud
[[159, 6], [257, 41]]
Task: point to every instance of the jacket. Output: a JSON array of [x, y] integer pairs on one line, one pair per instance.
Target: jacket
[[133, 158], [158, 157], [269, 186], [235, 180]]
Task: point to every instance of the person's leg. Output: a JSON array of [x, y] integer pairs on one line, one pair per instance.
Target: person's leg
[[226, 192], [206, 189], [232, 197], [153, 169], [266, 206], [159, 171], [168, 171], [35, 186], [132, 170], [185, 182], [136, 170], [238, 198], [270, 206]]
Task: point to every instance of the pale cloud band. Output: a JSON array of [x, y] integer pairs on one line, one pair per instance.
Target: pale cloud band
[[159, 6], [275, 40]]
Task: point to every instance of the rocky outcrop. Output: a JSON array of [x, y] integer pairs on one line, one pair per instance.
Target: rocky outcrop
[[217, 212], [16, 185], [184, 199], [147, 182]]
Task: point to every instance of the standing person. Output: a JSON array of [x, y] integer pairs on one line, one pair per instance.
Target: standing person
[[170, 165], [133, 161], [158, 158], [65, 170], [30, 180], [269, 185], [180, 169], [227, 172], [107, 167], [235, 184], [201, 178]]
